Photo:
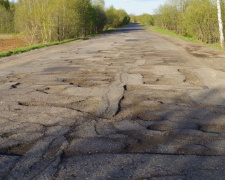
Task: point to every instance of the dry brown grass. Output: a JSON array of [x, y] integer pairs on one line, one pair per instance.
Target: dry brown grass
[[11, 42]]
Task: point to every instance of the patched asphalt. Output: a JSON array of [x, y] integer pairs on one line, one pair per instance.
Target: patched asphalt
[[130, 104]]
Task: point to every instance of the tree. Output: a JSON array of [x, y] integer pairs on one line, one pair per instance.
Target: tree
[[99, 15], [51, 20], [5, 3], [145, 19], [181, 5], [82, 11], [33, 18], [133, 18], [201, 22], [6, 17], [116, 18], [168, 17], [192, 18], [220, 23]]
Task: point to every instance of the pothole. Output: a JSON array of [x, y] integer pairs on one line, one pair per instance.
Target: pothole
[[19, 149], [15, 85]]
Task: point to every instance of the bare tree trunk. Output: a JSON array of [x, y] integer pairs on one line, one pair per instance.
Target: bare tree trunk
[[220, 24]]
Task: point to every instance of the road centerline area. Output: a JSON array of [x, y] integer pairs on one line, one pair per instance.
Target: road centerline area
[[129, 104]]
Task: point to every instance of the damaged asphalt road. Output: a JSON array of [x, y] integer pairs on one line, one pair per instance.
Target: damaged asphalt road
[[130, 104]]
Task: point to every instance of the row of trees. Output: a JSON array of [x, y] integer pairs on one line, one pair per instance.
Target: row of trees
[[192, 18], [145, 19], [52, 20]]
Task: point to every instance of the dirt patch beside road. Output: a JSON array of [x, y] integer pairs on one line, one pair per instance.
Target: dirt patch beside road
[[11, 42]]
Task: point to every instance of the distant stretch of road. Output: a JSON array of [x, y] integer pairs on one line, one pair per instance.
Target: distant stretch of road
[[130, 104]]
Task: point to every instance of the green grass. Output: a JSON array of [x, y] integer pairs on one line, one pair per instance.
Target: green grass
[[38, 46], [173, 34]]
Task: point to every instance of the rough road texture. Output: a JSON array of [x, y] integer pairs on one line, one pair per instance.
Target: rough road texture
[[130, 104]]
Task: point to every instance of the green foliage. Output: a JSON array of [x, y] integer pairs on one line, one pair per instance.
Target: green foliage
[[145, 19], [52, 20], [175, 35], [133, 18], [6, 17], [169, 17], [34, 18], [191, 18], [5, 3], [100, 18], [201, 23], [116, 18]]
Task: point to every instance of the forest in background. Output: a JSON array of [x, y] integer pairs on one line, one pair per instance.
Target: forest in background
[[56, 20], [191, 18], [42, 21]]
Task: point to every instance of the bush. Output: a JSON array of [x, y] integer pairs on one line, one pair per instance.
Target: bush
[[145, 19]]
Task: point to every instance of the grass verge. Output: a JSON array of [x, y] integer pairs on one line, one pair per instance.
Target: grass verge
[[173, 34], [38, 46]]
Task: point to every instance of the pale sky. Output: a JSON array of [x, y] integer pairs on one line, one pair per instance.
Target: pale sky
[[136, 7]]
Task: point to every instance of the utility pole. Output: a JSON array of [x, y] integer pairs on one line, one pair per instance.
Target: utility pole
[[220, 23]]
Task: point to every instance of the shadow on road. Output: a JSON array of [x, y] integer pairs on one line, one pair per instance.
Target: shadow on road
[[131, 27]]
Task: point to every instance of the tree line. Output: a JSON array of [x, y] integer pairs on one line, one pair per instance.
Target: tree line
[[145, 19], [191, 18], [56, 20]]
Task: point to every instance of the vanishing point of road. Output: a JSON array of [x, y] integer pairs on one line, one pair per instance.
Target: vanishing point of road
[[125, 105]]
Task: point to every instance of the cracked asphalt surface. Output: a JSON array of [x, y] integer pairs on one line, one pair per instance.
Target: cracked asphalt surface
[[130, 104]]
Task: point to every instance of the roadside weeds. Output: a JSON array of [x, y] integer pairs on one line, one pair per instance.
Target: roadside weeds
[[173, 34]]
